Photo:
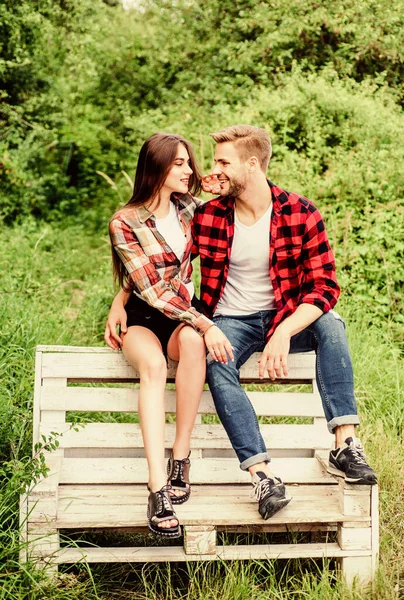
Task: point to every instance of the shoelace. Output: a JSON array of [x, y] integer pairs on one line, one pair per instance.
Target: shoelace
[[261, 488], [179, 468], [162, 500], [357, 451]]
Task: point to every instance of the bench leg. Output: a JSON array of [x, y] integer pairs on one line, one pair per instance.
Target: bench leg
[[23, 528], [43, 544], [356, 568], [200, 539], [357, 536]]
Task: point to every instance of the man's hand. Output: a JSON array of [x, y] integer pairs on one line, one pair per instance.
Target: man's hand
[[218, 345], [117, 316], [210, 184], [274, 358]]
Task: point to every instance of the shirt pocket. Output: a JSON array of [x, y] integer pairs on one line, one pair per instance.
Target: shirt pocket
[[212, 261], [289, 260]]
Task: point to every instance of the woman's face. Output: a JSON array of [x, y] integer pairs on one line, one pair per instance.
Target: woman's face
[[178, 177]]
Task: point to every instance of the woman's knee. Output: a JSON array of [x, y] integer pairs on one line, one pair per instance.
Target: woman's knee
[[153, 367], [191, 343]]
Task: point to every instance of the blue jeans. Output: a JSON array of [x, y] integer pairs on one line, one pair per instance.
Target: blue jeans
[[333, 374]]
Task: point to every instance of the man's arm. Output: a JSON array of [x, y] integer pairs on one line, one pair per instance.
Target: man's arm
[[274, 358], [320, 291]]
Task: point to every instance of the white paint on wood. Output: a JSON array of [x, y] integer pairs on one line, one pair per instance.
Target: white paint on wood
[[374, 512], [128, 435], [37, 395], [354, 538], [112, 365], [357, 568], [175, 553], [266, 403], [206, 470]]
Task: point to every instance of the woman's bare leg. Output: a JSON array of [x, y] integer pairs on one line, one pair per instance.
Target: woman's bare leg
[[186, 346], [143, 351]]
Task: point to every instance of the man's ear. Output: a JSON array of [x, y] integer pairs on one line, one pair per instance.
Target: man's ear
[[253, 164]]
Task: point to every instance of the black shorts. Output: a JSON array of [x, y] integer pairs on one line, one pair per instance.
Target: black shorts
[[141, 313]]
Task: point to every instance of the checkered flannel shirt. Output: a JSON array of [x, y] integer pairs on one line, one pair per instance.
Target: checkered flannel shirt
[[155, 274], [301, 262]]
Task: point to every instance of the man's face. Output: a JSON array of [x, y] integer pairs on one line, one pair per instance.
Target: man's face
[[230, 170]]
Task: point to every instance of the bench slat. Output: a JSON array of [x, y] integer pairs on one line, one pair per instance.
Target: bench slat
[[113, 366], [177, 554], [204, 470], [128, 435], [310, 504], [276, 404]]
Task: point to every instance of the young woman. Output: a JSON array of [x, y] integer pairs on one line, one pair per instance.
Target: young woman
[[151, 247]]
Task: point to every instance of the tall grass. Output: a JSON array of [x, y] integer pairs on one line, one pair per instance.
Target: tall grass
[[56, 289]]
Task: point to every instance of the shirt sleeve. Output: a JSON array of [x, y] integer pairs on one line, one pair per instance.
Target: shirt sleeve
[[168, 297], [195, 237], [320, 286]]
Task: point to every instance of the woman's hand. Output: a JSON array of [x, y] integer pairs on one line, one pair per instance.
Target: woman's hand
[[210, 184], [218, 345], [117, 317]]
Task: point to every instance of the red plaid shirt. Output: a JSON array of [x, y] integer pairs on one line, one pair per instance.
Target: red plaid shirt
[[301, 262], [155, 274]]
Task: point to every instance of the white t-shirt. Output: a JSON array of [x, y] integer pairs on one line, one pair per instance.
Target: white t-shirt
[[248, 287], [171, 229]]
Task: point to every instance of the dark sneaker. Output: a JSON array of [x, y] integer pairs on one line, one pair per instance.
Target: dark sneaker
[[349, 462], [270, 494]]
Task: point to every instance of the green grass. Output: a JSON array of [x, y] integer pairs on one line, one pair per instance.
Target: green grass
[[56, 288]]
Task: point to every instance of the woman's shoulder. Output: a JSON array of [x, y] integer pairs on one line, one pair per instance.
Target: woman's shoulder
[[126, 215]]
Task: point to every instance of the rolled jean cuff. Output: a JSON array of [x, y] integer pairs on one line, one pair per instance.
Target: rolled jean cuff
[[343, 420], [253, 460]]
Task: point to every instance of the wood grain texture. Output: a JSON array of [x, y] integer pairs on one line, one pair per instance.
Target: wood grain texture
[[128, 435], [205, 470], [175, 553], [112, 365], [98, 399]]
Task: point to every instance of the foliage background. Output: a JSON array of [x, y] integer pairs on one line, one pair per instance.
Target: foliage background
[[83, 83]]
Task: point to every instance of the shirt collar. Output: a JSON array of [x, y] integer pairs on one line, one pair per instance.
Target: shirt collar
[[180, 200], [279, 197]]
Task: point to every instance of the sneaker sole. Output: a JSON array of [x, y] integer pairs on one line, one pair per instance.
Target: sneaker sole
[[360, 481], [275, 508]]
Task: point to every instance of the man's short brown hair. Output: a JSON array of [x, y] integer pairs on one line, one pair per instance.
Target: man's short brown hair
[[249, 141]]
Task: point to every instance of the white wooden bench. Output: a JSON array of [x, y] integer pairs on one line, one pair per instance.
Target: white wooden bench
[[97, 477]]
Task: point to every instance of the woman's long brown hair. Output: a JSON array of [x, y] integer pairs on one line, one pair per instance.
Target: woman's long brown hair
[[156, 158]]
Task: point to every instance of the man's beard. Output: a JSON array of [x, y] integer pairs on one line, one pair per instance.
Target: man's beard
[[236, 188]]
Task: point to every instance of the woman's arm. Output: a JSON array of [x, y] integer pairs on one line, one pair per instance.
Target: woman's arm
[[171, 297], [116, 317]]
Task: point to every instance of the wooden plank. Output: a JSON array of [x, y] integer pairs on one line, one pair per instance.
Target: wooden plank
[[358, 568], [128, 435], [58, 416], [113, 366], [48, 486], [37, 398], [374, 513], [23, 528], [277, 404], [224, 493], [354, 538], [205, 470], [73, 513], [200, 539], [177, 554]]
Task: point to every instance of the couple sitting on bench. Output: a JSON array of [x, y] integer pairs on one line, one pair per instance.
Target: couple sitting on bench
[[268, 285]]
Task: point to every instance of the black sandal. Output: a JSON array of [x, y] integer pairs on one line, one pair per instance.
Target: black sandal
[[178, 477], [160, 509]]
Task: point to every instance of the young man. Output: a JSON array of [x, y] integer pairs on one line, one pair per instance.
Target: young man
[[268, 282]]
